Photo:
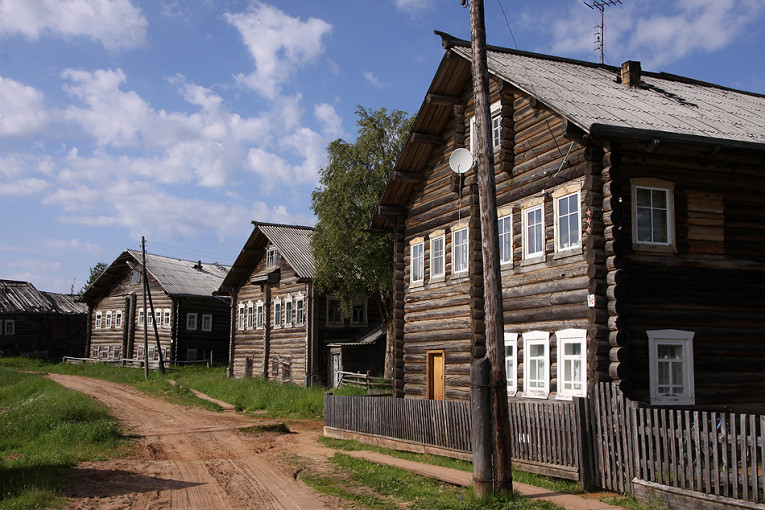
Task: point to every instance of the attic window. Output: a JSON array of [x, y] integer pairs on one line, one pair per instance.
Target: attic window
[[271, 257], [495, 128], [135, 277]]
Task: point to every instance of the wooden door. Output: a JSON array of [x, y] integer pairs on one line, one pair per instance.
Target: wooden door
[[337, 367], [435, 375]]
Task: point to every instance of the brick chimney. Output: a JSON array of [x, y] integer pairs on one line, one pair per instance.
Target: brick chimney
[[631, 73]]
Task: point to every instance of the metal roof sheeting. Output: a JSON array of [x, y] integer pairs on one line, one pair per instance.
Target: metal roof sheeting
[[294, 244], [589, 95], [183, 277], [23, 297]]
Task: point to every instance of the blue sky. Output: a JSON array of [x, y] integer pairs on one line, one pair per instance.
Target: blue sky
[[184, 120]]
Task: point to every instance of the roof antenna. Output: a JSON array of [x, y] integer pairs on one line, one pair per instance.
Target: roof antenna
[[601, 6]]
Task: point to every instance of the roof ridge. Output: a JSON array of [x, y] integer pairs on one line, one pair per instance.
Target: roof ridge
[[282, 225]]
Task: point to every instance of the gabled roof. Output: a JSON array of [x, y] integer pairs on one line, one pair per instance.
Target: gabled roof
[[292, 241], [23, 297], [590, 97], [177, 277]]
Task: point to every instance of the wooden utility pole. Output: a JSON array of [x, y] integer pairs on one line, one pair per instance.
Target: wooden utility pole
[[487, 199], [145, 310]]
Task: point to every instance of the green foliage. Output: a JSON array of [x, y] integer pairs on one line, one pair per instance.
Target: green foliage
[[348, 261], [44, 431], [95, 272]]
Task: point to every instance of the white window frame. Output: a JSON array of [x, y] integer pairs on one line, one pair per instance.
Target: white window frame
[[460, 244], [271, 257], [417, 266], [149, 317], [277, 312], [530, 339], [240, 317], [250, 315], [207, 322], [559, 225], [334, 299], [437, 262], [505, 255], [299, 310], [538, 254], [675, 337], [10, 327], [116, 351], [288, 311], [511, 373], [158, 317], [363, 304], [99, 320], [191, 321], [166, 316], [108, 324], [494, 128], [668, 189], [571, 337], [141, 317], [259, 315], [118, 319]]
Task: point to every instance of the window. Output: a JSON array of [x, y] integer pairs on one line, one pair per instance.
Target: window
[[141, 317], [149, 318], [271, 257], [437, 256], [505, 231], [496, 125], [359, 312], [140, 352], [417, 274], [95, 352], [568, 225], [105, 353], [670, 354], [158, 317], [135, 277], [118, 319], [240, 317], [249, 314], [207, 322], [98, 320], [10, 327], [288, 311], [536, 366], [334, 312], [166, 321], [299, 310], [116, 352], [191, 321], [533, 232], [572, 363], [259, 315], [511, 364], [278, 313], [652, 211], [1, 328], [460, 250], [108, 320]]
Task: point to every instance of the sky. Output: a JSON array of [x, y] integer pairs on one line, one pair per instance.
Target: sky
[[184, 120]]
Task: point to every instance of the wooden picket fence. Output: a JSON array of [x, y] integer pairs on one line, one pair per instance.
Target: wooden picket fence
[[380, 386]]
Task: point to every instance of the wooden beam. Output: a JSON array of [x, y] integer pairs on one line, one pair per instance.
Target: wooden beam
[[238, 269], [389, 211], [406, 177], [441, 99], [425, 138]]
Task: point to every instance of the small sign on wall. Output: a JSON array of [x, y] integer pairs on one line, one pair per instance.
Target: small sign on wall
[[591, 300]]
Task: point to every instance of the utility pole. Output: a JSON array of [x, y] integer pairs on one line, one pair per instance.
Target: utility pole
[[145, 311], [487, 199]]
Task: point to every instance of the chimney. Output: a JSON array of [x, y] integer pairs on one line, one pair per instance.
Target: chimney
[[631, 73]]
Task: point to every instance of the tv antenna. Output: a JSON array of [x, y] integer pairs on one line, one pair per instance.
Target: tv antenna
[[601, 6]]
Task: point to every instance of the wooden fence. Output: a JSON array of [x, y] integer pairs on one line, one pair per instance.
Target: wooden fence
[[380, 386], [719, 454]]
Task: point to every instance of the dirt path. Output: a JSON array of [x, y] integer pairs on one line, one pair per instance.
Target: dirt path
[[192, 458]]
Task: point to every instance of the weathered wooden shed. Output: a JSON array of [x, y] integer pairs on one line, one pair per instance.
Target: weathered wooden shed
[[631, 230], [44, 324], [280, 327], [191, 322]]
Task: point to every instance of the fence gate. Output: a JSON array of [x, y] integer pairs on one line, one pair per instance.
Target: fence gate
[[610, 421]]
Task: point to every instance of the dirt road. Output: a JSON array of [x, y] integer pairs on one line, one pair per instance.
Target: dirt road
[[191, 459]]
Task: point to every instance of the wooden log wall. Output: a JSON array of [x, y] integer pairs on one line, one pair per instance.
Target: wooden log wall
[[288, 342], [709, 286], [250, 343], [205, 342]]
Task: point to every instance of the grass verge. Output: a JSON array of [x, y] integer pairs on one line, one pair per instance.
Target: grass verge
[[44, 431]]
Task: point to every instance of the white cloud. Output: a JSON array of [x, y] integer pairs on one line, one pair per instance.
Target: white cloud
[[23, 187], [22, 109], [413, 6], [116, 24], [372, 79], [332, 123], [278, 43], [73, 245]]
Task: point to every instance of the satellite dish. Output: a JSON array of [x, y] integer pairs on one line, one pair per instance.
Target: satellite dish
[[461, 161]]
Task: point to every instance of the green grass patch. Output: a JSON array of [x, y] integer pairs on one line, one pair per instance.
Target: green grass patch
[[385, 487], [44, 431]]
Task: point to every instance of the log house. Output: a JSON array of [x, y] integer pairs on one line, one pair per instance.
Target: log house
[[631, 234], [191, 322], [281, 328]]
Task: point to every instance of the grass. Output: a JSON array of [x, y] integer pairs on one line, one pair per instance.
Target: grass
[[44, 431]]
